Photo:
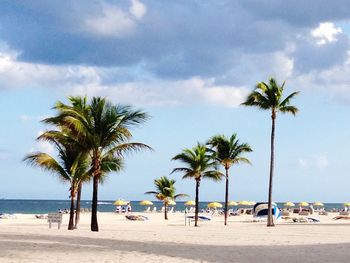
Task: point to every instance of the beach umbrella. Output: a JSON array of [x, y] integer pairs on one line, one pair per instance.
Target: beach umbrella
[[303, 204], [232, 203], [120, 202], [190, 203], [171, 202], [347, 204], [146, 202], [318, 204], [244, 203], [214, 205], [290, 204]]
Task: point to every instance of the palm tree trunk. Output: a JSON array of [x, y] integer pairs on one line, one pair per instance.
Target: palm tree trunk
[[71, 214], [96, 178], [226, 197], [94, 223], [272, 162], [165, 211], [197, 205], [77, 210]]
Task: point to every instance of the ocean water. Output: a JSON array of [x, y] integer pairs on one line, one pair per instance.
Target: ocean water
[[12, 206]]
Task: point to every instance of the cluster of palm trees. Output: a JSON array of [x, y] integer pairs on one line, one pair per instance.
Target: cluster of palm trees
[[201, 161], [92, 137]]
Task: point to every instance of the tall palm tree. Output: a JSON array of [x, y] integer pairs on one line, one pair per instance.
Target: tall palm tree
[[101, 129], [268, 96], [165, 192], [198, 165], [228, 151], [71, 166]]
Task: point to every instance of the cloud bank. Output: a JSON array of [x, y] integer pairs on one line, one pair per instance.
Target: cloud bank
[[174, 53]]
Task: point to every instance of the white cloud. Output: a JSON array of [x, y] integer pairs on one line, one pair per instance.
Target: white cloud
[[16, 74], [322, 161], [325, 33], [315, 161], [43, 146], [89, 81], [26, 118], [4, 155], [302, 163], [193, 91], [137, 9], [113, 21]]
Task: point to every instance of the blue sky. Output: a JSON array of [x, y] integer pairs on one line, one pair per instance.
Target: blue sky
[[189, 64]]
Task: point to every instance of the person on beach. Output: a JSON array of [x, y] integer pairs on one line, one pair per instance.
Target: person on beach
[[129, 208]]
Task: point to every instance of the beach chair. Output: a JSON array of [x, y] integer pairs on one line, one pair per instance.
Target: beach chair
[[344, 213], [154, 209], [171, 210], [148, 209], [163, 209]]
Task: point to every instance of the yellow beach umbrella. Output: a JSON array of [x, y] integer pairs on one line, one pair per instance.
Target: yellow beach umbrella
[[244, 203], [214, 205], [232, 203], [171, 202], [146, 202], [120, 202], [318, 204], [289, 204], [303, 204], [347, 204], [190, 203]]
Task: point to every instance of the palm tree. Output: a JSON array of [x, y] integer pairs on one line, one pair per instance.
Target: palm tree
[[228, 151], [268, 96], [78, 104], [101, 129], [198, 165], [71, 166], [165, 192]]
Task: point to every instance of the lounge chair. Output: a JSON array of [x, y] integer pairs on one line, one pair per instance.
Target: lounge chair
[[344, 213], [136, 217], [154, 209]]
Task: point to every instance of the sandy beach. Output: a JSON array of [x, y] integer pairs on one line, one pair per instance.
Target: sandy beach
[[27, 239]]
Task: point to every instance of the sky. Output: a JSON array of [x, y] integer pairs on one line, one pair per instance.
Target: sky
[[189, 64]]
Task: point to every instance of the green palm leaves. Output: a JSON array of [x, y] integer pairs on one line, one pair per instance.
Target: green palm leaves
[[198, 164], [228, 152], [270, 97], [165, 191]]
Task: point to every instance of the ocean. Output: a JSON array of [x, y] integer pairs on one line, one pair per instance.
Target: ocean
[[17, 206]]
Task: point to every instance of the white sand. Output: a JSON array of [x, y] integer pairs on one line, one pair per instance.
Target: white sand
[[27, 239]]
